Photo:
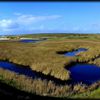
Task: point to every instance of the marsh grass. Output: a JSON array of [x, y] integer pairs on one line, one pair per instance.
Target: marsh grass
[[43, 57]]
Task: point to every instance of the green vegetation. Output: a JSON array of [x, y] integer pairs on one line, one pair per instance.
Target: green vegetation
[[43, 57], [57, 36]]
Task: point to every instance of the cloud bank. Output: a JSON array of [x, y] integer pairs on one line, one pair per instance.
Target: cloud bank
[[24, 23]]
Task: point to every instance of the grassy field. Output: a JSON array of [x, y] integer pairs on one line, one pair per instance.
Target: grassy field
[[44, 57]]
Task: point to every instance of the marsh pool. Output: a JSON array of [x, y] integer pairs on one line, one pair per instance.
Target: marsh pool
[[73, 53], [28, 40], [85, 73], [81, 72]]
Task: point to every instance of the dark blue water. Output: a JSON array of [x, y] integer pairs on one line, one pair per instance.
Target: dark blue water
[[73, 53], [29, 40], [17, 69], [28, 72], [85, 73]]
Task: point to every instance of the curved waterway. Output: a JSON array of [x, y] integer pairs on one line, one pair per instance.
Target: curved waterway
[[80, 72], [85, 73], [25, 70], [17, 69], [75, 52]]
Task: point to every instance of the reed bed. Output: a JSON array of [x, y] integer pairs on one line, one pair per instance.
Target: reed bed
[[44, 57]]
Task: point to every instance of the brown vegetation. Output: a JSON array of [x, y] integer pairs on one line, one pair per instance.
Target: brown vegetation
[[43, 57]]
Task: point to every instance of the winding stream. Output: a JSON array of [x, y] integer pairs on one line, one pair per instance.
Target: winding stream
[[18, 69], [75, 52], [80, 72], [25, 70]]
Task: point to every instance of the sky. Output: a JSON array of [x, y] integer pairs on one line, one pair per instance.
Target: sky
[[49, 17]]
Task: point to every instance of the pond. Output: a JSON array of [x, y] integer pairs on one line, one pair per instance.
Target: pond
[[28, 40], [85, 73], [75, 52], [32, 40], [81, 72]]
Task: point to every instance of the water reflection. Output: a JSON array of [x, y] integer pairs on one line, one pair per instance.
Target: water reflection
[[73, 53]]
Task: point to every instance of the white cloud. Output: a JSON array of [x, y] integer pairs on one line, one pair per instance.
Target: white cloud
[[23, 19], [28, 19], [5, 23], [25, 22], [8, 24]]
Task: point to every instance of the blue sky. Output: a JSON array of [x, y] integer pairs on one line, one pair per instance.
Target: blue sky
[[37, 17]]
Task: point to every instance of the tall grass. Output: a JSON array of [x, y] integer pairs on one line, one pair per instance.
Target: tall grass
[[43, 87], [43, 57]]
